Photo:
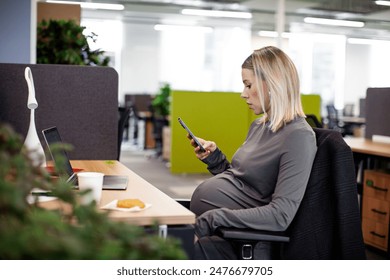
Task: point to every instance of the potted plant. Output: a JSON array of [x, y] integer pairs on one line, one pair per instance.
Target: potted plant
[[161, 110], [63, 42], [161, 101], [28, 231]]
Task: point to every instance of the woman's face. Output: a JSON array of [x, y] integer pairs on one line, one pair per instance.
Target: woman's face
[[251, 93]]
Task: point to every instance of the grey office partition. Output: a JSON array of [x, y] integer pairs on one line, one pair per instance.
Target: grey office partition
[[362, 107], [377, 112], [82, 101]]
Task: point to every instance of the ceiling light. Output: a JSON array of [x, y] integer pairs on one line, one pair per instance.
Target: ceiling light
[[335, 22], [214, 13], [361, 41], [383, 3], [187, 28], [94, 6], [273, 34]]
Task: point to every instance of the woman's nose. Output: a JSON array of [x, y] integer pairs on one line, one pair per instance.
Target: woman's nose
[[244, 95]]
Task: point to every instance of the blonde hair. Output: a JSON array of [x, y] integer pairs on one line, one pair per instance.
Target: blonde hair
[[272, 66]]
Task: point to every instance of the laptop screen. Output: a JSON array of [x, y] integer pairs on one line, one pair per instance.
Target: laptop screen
[[52, 136]]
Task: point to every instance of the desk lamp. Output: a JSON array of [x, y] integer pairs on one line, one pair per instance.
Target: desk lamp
[[32, 142]]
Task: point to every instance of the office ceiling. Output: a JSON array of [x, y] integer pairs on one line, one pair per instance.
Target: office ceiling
[[376, 18]]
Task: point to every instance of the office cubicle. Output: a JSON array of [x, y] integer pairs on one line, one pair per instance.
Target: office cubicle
[[82, 101], [377, 112]]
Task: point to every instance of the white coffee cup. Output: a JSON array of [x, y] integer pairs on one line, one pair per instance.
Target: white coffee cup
[[90, 181]]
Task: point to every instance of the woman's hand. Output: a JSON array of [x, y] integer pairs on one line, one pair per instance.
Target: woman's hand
[[209, 146]]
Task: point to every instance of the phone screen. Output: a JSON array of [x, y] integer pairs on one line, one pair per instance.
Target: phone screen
[[191, 135]]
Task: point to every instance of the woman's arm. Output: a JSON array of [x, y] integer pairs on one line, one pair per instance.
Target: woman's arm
[[216, 162]]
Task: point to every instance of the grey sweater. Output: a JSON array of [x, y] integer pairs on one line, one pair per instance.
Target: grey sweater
[[275, 165]]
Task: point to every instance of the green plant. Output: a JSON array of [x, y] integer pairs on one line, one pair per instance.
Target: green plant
[[73, 231], [63, 42], [161, 102]]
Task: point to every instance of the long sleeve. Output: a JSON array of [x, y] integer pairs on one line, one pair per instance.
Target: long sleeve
[[216, 162]]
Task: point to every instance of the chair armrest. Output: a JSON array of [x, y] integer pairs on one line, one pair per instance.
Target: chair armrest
[[252, 235]]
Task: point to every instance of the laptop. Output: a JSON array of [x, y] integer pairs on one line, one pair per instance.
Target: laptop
[[110, 182]]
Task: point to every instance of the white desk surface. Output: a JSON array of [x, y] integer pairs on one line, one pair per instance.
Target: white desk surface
[[164, 210]]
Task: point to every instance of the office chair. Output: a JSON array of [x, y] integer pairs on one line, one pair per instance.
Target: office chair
[[124, 116], [135, 119], [158, 124], [348, 110], [138, 103], [333, 120], [313, 121], [327, 224]]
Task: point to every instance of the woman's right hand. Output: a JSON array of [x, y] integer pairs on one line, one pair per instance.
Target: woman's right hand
[[209, 146]]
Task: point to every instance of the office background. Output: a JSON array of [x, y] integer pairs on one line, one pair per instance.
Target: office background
[[206, 54]]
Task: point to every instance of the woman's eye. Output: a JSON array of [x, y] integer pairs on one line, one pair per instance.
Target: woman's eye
[[248, 86]]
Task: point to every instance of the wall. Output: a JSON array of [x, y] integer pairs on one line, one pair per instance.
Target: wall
[[16, 31], [357, 78], [140, 67], [261, 41], [187, 59], [366, 66], [379, 65]]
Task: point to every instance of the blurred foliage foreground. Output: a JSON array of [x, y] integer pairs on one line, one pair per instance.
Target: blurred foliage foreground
[[28, 231]]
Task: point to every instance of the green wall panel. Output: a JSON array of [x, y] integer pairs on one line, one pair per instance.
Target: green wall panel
[[311, 104], [222, 117]]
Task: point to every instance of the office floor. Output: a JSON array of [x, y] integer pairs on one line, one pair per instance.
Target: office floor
[[156, 171]]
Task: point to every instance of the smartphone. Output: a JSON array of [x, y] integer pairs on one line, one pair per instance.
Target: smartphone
[[191, 135]]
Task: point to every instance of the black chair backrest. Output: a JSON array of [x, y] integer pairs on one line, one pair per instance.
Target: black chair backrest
[[313, 121], [327, 224]]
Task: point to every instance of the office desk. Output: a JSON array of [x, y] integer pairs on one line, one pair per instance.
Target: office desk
[[173, 219], [352, 125], [353, 120], [372, 161], [367, 155], [164, 209], [149, 141], [368, 147]]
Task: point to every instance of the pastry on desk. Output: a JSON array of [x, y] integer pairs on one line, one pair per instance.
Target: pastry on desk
[[127, 205], [130, 203]]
